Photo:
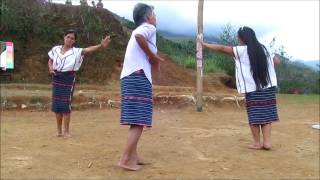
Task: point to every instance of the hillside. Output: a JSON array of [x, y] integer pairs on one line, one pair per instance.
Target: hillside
[[36, 28]]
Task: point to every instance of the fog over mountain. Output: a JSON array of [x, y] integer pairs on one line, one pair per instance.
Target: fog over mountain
[[170, 21]]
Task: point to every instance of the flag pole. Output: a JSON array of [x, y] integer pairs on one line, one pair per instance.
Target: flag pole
[[199, 57]]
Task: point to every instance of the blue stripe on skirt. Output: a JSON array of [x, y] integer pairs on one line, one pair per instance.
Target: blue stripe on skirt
[[136, 100], [262, 106], [62, 91]]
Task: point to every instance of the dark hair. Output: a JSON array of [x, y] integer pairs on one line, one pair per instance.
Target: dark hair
[[258, 56], [140, 13], [71, 31]]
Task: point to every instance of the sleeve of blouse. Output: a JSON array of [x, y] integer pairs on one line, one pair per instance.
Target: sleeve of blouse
[[78, 58], [235, 52], [78, 53], [51, 53], [239, 52]]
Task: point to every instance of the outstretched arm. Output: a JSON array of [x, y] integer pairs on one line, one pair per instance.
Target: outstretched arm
[[104, 43], [220, 48]]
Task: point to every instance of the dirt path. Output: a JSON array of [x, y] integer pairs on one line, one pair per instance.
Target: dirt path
[[183, 144]]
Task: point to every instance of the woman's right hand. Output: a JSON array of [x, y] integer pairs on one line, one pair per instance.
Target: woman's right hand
[[51, 71]]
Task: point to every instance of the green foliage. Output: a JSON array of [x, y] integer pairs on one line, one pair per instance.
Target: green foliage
[[228, 36], [294, 76], [291, 76], [223, 62], [297, 77], [127, 23], [19, 19], [91, 24], [183, 52], [36, 26], [301, 99]]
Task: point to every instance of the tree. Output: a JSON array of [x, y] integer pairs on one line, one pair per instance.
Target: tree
[[228, 36], [99, 5], [83, 3], [68, 2]]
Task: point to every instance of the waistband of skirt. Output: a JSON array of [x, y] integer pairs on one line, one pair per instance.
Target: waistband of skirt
[[65, 72]]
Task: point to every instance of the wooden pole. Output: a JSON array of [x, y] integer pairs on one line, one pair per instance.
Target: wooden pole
[[199, 57]]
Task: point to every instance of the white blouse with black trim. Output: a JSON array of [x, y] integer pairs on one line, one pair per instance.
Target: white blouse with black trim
[[244, 79], [69, 61]]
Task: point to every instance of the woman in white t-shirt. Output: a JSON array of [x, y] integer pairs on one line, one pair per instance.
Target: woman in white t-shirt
[[64, 61], [256, 78], [136, 82]]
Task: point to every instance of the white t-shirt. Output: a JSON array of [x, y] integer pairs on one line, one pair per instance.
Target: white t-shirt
[[69, 61], [244, 79], [135, 58]]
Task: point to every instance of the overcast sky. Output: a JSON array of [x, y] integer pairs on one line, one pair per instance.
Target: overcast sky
[[294, 23]]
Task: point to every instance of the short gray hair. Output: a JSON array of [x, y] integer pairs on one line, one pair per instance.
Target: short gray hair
[[141, 12]]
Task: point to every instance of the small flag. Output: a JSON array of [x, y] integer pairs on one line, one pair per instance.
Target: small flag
[[7, 60]]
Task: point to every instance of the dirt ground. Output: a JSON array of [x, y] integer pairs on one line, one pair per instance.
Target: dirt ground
[[183, 144]]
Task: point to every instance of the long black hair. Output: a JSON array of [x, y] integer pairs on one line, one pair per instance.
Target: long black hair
[[258, 56]]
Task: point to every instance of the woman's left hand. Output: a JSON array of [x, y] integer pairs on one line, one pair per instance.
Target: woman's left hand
[[156, 63], [105, 42]]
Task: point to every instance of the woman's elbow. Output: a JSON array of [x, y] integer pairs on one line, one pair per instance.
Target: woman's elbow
[[227, 50]]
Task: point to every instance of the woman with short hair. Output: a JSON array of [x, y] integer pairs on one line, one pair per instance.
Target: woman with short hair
[[136, 83]]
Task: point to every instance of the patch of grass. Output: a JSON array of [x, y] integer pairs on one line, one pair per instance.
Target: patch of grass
[[209, 65], [303, 98]]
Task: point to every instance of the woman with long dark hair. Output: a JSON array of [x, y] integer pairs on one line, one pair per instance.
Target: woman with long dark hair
[[256, 78], [64, 61]]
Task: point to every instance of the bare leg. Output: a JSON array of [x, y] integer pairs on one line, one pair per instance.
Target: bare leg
[[129, 158], [255, 130], [139, 160], [266, 132], [59, 124], [66, 121], [136, 156]]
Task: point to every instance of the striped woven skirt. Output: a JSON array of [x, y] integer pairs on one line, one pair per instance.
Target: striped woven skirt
[[262, 106], [136, 100], [62, 91]]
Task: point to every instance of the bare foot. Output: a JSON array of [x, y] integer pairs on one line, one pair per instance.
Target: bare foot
[[67, 135], [254, 146], [142, 162], [130, 167], [266, 146], [59, 135]]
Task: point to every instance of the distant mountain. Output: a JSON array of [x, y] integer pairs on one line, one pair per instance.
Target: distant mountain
[[175, 36], [315, 65], [182, 37]]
